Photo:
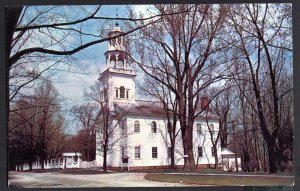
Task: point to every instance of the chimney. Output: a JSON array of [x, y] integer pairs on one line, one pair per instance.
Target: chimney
[[204, 103]]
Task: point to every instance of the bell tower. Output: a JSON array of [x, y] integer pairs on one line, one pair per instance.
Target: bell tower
[[118, 78], [116, 55]]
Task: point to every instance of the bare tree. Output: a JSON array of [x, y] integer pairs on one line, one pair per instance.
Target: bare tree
[[110, 119], [35, 124], [88, 116], [175, 51], [251, 23]]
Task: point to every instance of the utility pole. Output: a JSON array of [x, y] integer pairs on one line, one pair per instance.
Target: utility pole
[[235, 150]]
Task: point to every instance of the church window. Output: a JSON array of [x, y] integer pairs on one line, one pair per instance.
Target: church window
[[153, 127], [137, 152], [211, 127], [136, 126], [117, 93], [199, 128], [122, 92], [200, 152], [119, 40], [154, 152], [127, 94]]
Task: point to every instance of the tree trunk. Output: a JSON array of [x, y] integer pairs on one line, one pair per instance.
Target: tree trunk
[[188, 150], [172, 156], [12, 17], [104, 160], [216, 156], [30, 165]]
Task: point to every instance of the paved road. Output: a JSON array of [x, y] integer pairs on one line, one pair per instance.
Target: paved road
[[59, 180]]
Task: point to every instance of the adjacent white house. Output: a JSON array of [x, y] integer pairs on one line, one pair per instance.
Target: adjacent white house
[[146, 144]]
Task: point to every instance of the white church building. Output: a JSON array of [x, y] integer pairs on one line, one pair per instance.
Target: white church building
[[146, 144]]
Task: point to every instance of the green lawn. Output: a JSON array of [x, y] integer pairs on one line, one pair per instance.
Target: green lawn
[[208, 171], [222, 180]]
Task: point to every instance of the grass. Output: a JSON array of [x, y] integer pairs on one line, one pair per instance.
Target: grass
[[222, 180], [206, 171]]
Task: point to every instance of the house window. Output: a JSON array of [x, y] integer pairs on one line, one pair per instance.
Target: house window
[[154, 152], [137, 152], [153, 127], [212, 152], [122, 92], [169, 152], [211, 127], [198, 128], [136, 126], [117, 94], [200, 152], [127, 94]]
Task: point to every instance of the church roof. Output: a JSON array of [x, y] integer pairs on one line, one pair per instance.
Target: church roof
[[143, 107]]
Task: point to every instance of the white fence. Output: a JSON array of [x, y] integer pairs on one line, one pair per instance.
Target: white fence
[[86, 164], [63, 163]]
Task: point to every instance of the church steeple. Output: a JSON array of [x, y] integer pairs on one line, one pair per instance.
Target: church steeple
[[116, 55], [118, 79]]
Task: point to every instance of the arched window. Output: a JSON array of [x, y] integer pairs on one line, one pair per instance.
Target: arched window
[[199, 130], [211, 127], [122, 92], [136, 126], [153, 127]]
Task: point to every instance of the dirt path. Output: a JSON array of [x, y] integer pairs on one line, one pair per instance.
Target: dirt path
[[55, 180]]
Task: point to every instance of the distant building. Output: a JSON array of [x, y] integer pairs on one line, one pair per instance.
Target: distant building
[[228, 160], [67, 160], [146, 144]]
